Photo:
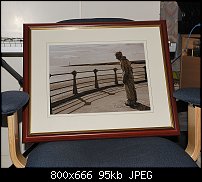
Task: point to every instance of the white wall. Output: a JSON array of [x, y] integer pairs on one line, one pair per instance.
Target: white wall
[[15, 13]]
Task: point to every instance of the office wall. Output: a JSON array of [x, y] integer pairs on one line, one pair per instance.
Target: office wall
[[15, 13]]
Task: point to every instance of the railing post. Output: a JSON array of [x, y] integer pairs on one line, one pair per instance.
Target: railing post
[[145, 73], [74, 82], [51, 110], [116, 79], [96, 81]]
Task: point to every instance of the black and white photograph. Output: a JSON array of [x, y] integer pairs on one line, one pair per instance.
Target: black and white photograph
[[92, 78]]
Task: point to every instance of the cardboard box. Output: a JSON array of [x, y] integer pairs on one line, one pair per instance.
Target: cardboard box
[[189, 44], [190, 74]]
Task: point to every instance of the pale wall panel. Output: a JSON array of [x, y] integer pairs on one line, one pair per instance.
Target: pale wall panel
[[135, 10], [5, 161], [7, 80], [15, 13]]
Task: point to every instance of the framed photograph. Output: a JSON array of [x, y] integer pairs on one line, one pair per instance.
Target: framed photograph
[[97, 80]]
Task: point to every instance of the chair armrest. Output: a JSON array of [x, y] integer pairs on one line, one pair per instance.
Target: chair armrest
[[12, 101], [190, 95]]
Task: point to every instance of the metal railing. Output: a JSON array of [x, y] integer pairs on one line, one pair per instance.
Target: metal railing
[[81, 83]]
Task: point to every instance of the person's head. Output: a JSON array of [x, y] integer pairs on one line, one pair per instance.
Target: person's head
[[118, 55]]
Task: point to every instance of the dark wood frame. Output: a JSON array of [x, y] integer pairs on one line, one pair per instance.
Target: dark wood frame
[[27, 137]]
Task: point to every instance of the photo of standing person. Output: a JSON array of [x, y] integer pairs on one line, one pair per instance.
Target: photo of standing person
[[128, 79]]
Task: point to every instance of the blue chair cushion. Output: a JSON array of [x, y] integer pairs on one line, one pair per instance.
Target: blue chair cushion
[[13, 101], [123, 152], [190, 95]]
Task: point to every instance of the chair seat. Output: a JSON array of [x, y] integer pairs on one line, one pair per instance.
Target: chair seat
[[124, 152]]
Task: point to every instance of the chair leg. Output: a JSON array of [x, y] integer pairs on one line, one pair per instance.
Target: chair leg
[[194, 132], [14, 142]]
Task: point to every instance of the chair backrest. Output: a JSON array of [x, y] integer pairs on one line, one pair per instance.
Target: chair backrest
[[91, 20]]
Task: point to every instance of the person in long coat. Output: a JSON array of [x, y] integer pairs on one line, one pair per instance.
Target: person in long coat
[[128, 79]]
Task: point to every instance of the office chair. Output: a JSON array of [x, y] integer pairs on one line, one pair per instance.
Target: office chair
[[192, 97], [119, 152]]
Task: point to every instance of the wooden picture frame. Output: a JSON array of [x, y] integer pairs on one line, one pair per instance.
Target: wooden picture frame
[[57, 54]]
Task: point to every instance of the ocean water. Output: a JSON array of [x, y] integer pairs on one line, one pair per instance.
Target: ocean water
[[75, 54], [66, 58]]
